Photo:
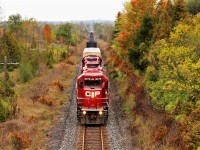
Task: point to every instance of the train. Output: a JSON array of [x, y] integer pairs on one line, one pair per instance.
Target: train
[[91, 42], [92, 89]]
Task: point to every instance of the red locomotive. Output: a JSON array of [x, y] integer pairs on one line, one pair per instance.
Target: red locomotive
[[92, 89]]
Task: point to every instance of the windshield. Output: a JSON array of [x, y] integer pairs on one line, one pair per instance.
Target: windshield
[[94, 82], [92, 65]]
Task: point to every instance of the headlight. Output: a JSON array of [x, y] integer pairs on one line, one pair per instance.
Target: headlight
[[100, 112], [84, 112]]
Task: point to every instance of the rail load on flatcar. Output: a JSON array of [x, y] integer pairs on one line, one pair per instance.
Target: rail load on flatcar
[[92, 52], [91, 42]]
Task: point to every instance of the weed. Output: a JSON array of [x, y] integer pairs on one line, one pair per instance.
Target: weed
[[45, 100], [20, 141], [32, 119], [160, 133]]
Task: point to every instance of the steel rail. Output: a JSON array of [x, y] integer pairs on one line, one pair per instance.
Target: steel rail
[[102, 144], [83, 146], [84, 138]]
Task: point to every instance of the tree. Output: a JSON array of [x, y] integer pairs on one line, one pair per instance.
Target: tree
[[15, 24], [33, 43], [117, 27], [65, 31], [193, 6], [180, 10], [128, 23], [29, 28], [47, 33], [141, 44], [9, 48], [163, 21], [175, 62]]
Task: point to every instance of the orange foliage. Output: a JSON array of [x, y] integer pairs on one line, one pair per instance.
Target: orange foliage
[[160, 133], [45, 100], [164, 4], [32, 119], [47, 33], [63, 65], [124, 36], [129, 22], [20, 141], [59, 85], [61, 39]]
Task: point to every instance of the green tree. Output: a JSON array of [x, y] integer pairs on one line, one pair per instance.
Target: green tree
[[180, 10], [33, 43], [141, 44], [117, 27], [15, 24], [9, 47], [65, 31], [193, 6]]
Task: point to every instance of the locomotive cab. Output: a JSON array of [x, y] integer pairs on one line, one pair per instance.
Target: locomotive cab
[[92, 98]]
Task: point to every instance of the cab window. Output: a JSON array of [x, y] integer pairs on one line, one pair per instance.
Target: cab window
[[80, 84]]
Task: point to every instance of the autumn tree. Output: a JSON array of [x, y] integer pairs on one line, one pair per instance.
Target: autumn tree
[[128, 24], [163, 22], [30, 26], [175, 63], [47, 33]]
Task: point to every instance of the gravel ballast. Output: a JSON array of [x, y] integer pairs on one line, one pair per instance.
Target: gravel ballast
[[64, 135]]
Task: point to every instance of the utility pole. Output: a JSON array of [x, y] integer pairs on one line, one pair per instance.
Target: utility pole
[[5, 73]]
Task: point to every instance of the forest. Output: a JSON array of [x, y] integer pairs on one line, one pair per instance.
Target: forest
[[154, 52], [33, 44], [159, 43]]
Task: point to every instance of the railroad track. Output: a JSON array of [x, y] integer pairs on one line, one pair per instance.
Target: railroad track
[[93, 138]]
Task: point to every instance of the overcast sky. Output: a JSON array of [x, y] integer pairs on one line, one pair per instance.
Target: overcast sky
[[63, 10]]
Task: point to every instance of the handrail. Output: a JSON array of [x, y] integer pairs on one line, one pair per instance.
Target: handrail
[[90, 98]]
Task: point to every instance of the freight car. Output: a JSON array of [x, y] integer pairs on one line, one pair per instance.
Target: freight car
[[92, 89], [91, 42]]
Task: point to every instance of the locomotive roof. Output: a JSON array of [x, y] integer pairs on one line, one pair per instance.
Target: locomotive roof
[[93, 75]]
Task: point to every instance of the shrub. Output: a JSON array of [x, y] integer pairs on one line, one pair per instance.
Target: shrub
[[45, 100], [20, 141], [50, 59], [26, 72], [4, 109]]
